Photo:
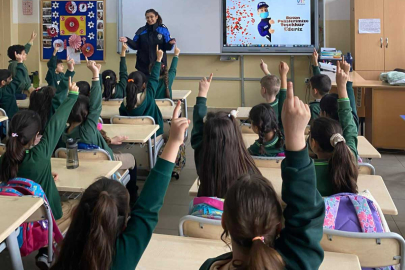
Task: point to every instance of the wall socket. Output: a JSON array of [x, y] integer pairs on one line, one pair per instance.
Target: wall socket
[[306, 80]]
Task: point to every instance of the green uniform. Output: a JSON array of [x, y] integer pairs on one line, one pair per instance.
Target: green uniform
[[121, 87], [324, 183], [161, 90], [37, 161], [12, 67], [315, 107], [277, 105], [87, 131], [270, 148], [299, 241], [133, 241], [7, 93], [148, 106], [52, 78]]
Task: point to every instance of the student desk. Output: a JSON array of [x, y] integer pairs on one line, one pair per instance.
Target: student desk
[[23, 104], [15, 211], [373, 183], [109, 111], [175, 252], [77, 180], [243, 113], [3, 118], [135, 133]]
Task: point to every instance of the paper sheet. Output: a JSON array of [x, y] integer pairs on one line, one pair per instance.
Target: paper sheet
[[369, 26], [73, 55]]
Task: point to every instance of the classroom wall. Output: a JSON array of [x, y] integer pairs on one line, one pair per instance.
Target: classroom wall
[[224, 94]]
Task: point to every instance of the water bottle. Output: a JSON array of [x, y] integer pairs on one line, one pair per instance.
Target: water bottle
[[349, 60], [72, 158]]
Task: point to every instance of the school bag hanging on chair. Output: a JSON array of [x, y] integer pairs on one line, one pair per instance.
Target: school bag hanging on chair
[[33, 235], [180, 162]]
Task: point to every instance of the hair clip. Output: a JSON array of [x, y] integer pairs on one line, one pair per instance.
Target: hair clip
[[107, 77], [261, 238], [337, 138], [233, 113], [37, 89], [14, 135], [131, 80]]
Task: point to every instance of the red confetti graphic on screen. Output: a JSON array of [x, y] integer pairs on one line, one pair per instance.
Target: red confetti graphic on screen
[[238, 17]]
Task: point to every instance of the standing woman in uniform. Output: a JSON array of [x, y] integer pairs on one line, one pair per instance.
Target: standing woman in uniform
[[145, 41]]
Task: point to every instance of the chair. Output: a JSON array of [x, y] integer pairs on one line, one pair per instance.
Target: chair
[[112, 102], [2, 149], [268, 162], [3, 113], [164, 102], [198, 227], [366, 168], [156, 143], [373, 249], [96, 154], [100, 120]]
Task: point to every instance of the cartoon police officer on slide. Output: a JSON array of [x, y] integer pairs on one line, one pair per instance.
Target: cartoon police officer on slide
[[264, 25]]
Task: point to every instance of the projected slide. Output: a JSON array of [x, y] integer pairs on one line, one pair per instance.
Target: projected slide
[[271, 23]]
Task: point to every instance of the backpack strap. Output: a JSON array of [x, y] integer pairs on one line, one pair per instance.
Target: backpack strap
[[8, 191], [331, 210], [364, 213]]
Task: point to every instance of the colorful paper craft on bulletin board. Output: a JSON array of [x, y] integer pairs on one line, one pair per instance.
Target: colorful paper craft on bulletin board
[[76, 27]]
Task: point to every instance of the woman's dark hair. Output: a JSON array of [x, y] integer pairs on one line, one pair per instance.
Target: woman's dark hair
[[80, 110], [41, 103], [15, 49], [84, 88], [224, 156], [159, 20], [164, 75], [342, 164], [24, 127], [134, 87], [329, 105], [252, 209], [96, 222], [264, 117], [4, 75], [109, 81]]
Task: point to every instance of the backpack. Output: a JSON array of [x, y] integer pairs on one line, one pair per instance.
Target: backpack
[[33, 235], [180, 162], [207, 207]]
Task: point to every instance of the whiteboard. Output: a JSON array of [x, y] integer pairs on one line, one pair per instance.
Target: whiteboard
[[196, 25]]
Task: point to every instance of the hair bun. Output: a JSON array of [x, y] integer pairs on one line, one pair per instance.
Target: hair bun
[[337, 138]]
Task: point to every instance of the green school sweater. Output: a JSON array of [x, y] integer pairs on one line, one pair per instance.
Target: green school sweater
[[315, 107], [52, 78], [133, 241], [270, 148], [161, 90], [121, 86], [7, 93], [87, 131], [350, 134], [37, 161], [277, 105], [12, 67], [148, 106], [299, 241]]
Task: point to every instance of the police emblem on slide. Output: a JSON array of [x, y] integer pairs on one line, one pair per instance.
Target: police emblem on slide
[[159, 36]]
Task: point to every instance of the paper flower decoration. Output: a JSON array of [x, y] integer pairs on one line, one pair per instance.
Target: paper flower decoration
[[59, 44], [91, 14], [75, 41], [88, 50], [91, 35], [90, 5], [90, 25], [72, 24], [55, 5], [56, 24], [71, 7], [55, 14], [82, 7], [52, 30]]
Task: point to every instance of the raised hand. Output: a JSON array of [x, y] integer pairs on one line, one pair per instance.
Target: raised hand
[[72, 86], [295, 116], [33, 37], [176, 51], [341, 81], [70, 63], [204, 86], [315, 58], [264, 67], [283, 68], [124, 49], [271, 31], [123, 39], [345, 66], [159, 54]]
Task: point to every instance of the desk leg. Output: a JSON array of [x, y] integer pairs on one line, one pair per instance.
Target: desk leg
[[12, 245], [151, 154]]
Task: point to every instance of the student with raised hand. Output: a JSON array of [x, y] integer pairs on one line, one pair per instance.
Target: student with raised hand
[[105, 232], [25, 84], [219, 151], [55, 69], [166, 78], [8, 87], [112, 89], [140, 99], [335, 145], [254, 226]]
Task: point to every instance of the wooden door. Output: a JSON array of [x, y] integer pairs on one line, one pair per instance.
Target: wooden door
[[369, 53], [394, 31]]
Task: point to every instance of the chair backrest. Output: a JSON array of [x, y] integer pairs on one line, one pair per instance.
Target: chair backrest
[[2, 149], [132, 120], [3, 112], [164, 102], [366, 168], [197, 227], [100, 120], [112, 102], [268, 162], [373, 249], [93, 154]]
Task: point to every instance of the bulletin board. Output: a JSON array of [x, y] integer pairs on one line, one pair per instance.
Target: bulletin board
[[79, 27]]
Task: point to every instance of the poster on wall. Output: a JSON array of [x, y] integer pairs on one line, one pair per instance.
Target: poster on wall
[[75, 28]]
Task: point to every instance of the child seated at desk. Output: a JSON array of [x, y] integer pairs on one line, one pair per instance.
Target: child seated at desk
[[166, 79], [55, 69], [140, 99], [254, 225], [106, 233], [112, 89]]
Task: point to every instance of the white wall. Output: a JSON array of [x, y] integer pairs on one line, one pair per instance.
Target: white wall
[[337, 10]]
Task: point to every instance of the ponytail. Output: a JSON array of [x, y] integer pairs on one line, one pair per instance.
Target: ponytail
[[23, 129], [134, 87], [41, 103], [263, 257], [159, 20], [109, 81]]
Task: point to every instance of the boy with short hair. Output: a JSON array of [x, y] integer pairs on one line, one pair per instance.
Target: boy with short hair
[[25, 84], [55, 70]]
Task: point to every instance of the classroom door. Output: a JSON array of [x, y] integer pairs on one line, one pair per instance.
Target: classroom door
[[394, 32], [369, 47]]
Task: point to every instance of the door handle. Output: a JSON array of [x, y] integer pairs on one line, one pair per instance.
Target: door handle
[[381, 42], [386, 40]]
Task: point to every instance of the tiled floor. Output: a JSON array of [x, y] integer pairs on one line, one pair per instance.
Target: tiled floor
[[391, 167]]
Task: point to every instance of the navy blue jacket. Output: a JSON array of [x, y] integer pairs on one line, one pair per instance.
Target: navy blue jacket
[[145, 41], [264, 27]]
